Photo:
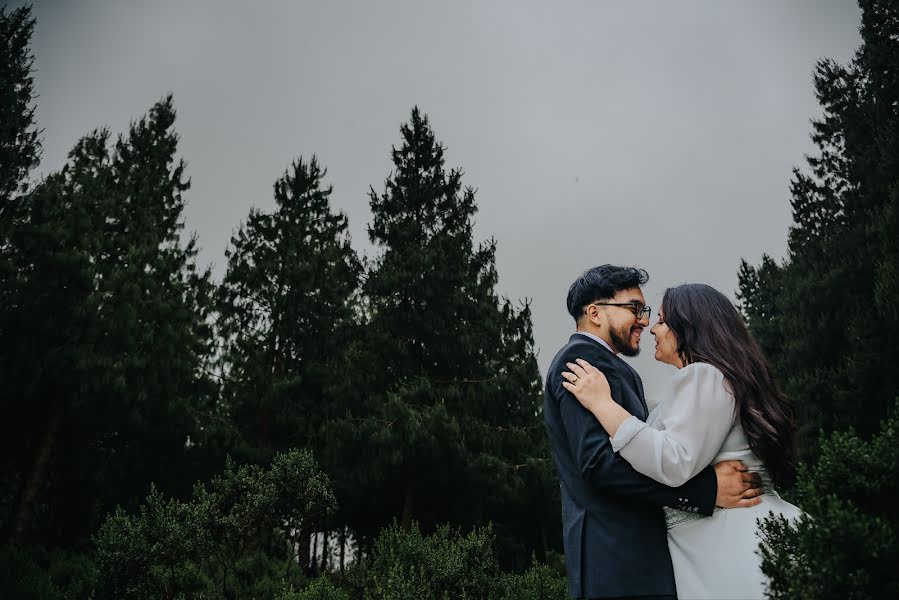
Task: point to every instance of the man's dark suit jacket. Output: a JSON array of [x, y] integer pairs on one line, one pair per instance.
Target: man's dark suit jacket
[[612, 518]]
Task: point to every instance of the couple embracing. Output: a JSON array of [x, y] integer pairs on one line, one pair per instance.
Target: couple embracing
[[664, 504]]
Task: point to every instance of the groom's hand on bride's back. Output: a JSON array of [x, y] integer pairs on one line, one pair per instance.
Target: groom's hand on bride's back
[[737, 487]]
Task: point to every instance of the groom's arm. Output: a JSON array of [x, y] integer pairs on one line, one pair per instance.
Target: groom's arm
[[607, 470]]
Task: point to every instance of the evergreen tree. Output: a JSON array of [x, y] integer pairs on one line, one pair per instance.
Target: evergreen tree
[[285, 305], [447, 382], [19, 150], [19, 144], [827, 316], [109, 333]]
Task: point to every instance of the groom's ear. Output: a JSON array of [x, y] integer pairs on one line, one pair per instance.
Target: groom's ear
[[594, 315]]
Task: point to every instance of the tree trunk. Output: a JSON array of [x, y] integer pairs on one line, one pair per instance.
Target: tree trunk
[[32, 486], [314, 551], [544, 545], [408, 506], [324, 561], [303, 553]]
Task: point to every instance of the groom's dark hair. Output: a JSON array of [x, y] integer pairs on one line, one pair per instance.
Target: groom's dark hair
[[601, 283]]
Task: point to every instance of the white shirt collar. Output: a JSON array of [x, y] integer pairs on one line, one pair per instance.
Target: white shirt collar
[[598, 339]]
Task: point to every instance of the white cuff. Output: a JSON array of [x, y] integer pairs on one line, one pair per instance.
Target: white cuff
[[626, 432]]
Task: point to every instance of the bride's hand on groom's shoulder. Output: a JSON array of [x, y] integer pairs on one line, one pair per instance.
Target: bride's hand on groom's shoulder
[[737, 486], [587, 383]]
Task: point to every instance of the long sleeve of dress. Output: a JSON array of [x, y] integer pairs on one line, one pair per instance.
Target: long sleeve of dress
[[687, 430], [590, 449]]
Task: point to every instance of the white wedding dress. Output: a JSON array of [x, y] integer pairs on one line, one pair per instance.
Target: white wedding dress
[[695, 425]]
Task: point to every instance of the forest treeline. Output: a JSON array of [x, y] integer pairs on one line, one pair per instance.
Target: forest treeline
[[319, 424]]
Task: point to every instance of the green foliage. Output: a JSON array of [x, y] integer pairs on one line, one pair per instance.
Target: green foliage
[[21, 578], [19, 150], [827, 315], [847, 543], [37, 572], [320, 588], [449, 389], [19, 144], [235, 538], [404, 563], [828, 320], [134, 375], [537, 583], [284, 305], [105, 334], [407, 565], [150, 554], [285, 309]]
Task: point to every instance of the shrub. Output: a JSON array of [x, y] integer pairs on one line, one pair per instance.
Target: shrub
[[446, 564], [320, 588], [233, 539], [846, 545], [21, 577]]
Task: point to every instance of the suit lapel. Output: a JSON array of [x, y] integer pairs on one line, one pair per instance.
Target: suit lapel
[[623, 367], [638, 385]]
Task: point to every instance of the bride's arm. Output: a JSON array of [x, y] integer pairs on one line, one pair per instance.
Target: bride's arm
[[695, 425]]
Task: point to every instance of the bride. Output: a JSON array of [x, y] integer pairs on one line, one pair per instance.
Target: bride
[[723, 404]]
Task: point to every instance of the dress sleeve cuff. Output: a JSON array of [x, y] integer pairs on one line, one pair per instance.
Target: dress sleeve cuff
[[626, 432]]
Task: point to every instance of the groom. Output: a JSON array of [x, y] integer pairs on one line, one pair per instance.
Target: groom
[[612, 518]]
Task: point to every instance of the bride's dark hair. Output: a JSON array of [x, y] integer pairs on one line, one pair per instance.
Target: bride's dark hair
[[709, 329]]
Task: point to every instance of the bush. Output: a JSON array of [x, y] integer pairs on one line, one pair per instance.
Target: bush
[[846, 545], [319, 589], [233, 539], [537, 583], [33, 572], [21, 577], [446, 564]]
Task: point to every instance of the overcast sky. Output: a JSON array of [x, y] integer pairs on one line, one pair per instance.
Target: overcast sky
[[658, 134]]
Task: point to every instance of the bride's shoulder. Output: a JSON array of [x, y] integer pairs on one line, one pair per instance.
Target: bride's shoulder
[[700, 369], [699, 373]]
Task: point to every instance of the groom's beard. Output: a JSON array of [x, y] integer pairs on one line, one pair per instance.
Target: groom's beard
[[621, 340]]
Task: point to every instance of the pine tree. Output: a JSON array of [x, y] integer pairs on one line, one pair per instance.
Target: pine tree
[[284, 306], [827, 315], [19, 144], [110, 333], [447, 379], [19, 151]]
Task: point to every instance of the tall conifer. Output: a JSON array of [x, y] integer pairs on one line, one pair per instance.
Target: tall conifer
[[449, 426], [19, 143], [285, 303], [286, 306], [827, 316], [110, 330], [19, 151]]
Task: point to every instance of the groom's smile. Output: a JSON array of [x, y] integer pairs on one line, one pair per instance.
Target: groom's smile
[[636, 330], [626, 317], [618, 320]]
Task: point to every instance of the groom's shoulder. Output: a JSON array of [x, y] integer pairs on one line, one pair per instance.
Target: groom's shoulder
[[580, 346]]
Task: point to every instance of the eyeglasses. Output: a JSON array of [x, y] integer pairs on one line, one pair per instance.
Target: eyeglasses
[[639, 309]]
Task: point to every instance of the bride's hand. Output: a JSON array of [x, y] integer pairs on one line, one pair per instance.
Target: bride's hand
[[587, 383]]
